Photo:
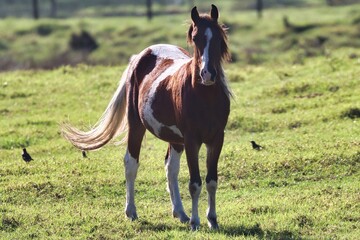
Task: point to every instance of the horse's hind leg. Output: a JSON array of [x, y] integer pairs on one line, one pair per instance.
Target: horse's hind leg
[[131, 162], [172, 166]]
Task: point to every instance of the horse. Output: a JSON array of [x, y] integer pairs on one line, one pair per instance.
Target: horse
[[180, 99]]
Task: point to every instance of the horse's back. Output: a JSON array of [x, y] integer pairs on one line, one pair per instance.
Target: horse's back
[[168, 51]]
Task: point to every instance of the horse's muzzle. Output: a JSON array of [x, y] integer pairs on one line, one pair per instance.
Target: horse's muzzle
[[207, 83], [207, 77]]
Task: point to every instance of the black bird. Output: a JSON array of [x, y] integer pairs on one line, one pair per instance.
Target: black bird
[[26, 156], [84, 154], [298, 28], [256, 146]]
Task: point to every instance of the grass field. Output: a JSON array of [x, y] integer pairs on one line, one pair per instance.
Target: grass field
[[28, 44], [303, 109]]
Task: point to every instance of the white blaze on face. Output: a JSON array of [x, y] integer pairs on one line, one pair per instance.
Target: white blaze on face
[[205, 58]]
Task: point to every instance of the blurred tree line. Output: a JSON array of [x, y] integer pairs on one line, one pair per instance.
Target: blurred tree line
[[70, 8]]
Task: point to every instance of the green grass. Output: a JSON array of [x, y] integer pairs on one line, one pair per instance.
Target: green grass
[[44, 43], [303, 185]]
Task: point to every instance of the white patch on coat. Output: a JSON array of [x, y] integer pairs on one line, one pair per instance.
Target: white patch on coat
[[168, 51], [179, 59]]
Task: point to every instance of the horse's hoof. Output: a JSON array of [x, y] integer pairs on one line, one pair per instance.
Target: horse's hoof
[[132, 217], [212, 223], [213, 226], [131, 213], [184, 219], [195, 225], [182, 216]]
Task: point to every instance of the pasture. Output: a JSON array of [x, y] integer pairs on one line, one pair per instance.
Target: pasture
[[299, 101]]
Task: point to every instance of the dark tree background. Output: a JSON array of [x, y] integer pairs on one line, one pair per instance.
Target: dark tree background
[[259, 8], [149, 12], [35, 4]]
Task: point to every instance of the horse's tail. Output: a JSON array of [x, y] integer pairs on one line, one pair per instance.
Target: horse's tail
[[112, 123]]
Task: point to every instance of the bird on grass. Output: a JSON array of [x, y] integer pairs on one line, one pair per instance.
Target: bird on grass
[[84, 154], [26, 156], [256, 146], [298, 28]]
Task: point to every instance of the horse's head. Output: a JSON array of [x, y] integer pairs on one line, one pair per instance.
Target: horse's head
[[210, 44]]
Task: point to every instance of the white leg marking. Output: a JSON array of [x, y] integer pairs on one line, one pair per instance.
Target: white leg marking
[[131, 167], [148, 112], [211, 211], [172, 171], [195, 191], [205, 57]]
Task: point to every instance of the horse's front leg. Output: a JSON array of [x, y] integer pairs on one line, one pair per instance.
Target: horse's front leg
[[192, 155], [172, 166], [213, 153]]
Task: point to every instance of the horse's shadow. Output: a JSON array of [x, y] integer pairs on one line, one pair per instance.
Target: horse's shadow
[[256, 231], [160, 227], [230, 231]]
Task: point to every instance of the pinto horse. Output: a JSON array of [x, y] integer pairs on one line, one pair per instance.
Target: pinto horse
[[182, 100]]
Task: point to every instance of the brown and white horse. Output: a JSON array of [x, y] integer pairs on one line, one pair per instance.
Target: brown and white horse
[[180, 99]]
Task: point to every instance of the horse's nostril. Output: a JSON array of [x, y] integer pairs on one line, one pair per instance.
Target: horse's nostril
[[203, 72]]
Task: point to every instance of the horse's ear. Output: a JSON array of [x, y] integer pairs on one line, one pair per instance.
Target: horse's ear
[[214, 13], [195, 15]]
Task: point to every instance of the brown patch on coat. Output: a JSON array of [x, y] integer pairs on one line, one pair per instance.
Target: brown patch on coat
[[168, 135], [149, 79]]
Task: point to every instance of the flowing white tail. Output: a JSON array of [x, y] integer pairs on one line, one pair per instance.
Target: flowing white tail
[[112, 123]]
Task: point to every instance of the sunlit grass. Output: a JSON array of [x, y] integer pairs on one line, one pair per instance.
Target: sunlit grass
[[302, 185]]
